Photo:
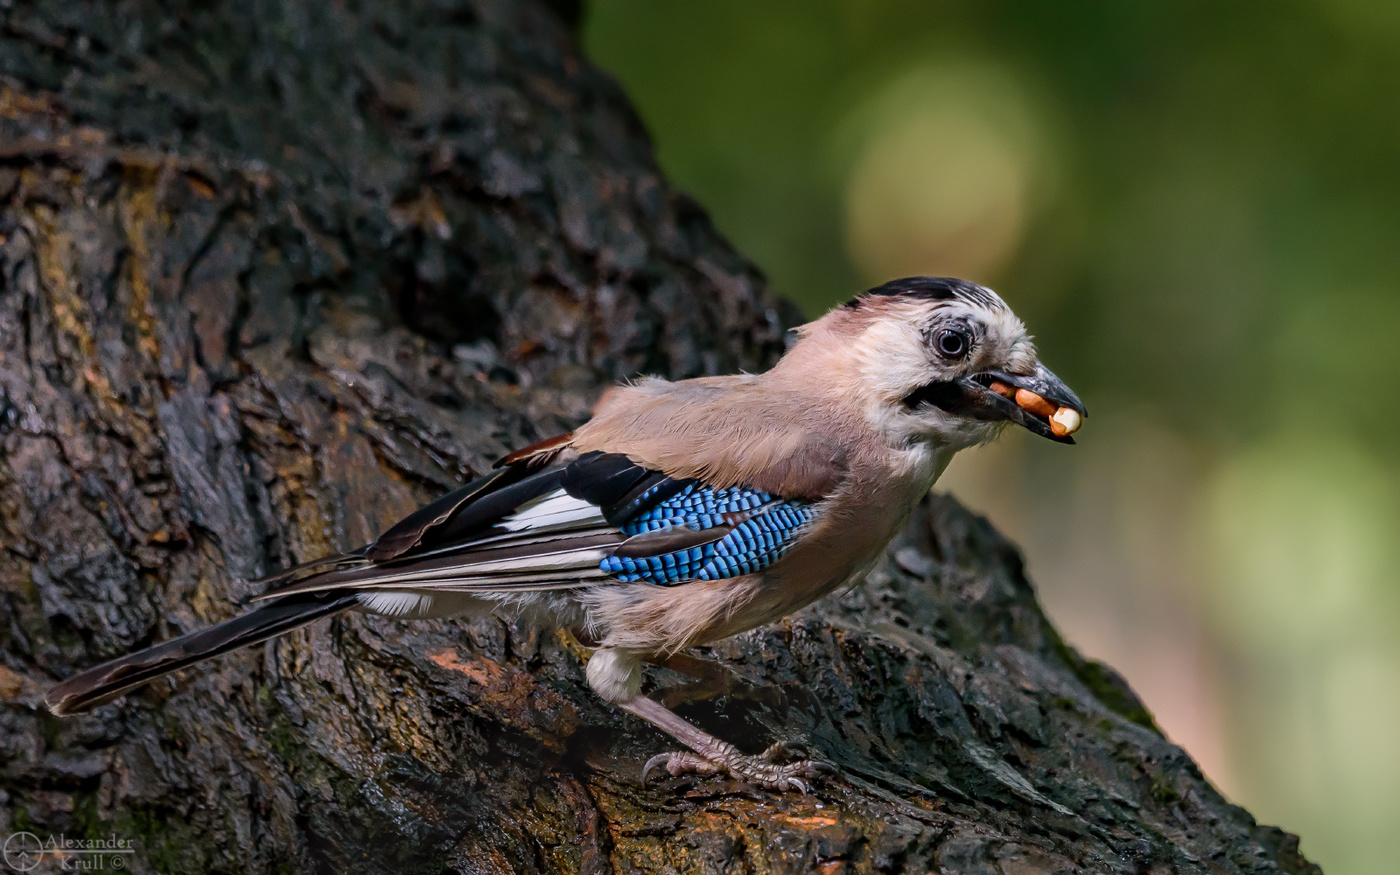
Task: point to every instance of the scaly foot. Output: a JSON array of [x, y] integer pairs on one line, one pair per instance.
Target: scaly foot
[[768, 769]]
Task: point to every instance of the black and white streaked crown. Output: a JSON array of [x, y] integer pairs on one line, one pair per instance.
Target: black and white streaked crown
[[932, 288]]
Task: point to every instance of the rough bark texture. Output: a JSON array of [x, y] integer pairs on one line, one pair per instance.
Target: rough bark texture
[[271, 275]]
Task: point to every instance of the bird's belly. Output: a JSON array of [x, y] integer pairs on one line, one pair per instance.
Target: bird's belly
[[778, 597]]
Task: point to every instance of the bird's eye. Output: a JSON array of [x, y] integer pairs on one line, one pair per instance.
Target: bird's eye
[[952, 343]]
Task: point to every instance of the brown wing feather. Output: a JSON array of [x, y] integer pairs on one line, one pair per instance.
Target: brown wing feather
[[538, 453]]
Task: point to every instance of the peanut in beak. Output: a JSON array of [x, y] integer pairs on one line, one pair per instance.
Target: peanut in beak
[[1063, 420], [1027, 399]]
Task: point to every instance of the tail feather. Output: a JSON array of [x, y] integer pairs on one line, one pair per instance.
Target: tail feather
[[304, 570], [102, 684]]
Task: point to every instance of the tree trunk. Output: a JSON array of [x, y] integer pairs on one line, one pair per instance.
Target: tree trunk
[[272, 275]]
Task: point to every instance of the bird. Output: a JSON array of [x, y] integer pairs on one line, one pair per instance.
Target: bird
[[685, 512]]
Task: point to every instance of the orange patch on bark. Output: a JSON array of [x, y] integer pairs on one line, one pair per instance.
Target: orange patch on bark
[[512, 697], [484, 672], [11, 684]]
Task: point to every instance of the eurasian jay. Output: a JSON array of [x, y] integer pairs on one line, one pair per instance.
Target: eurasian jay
[[685, 512]]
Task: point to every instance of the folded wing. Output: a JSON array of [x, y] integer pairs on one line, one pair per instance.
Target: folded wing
[[596, 518]]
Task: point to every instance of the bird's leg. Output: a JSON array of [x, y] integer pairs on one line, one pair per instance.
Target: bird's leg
[[711, 756], [616, 675], [714, 679]]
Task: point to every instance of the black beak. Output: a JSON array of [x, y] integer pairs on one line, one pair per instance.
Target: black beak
[[973, 396]]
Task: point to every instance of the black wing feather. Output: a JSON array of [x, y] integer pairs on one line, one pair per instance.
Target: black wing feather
[[409, 532], [476, 519], [602, 478], [621, 487]]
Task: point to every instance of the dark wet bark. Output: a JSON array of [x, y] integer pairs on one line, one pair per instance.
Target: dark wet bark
[[271, 275]]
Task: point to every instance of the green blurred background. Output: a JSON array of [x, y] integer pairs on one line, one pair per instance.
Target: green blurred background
[[1196, 208]]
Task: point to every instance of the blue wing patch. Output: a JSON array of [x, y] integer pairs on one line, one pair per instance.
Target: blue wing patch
[[698, 507], [757, 542], [761, 529]]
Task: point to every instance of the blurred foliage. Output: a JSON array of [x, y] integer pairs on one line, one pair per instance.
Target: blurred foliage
[[1195, 207]]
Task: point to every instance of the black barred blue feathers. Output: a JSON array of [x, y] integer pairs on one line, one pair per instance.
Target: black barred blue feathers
[[758, 542], [756, 530], [698, 507]]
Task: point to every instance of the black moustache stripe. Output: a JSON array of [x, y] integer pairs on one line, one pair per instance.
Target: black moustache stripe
[[943, 394]]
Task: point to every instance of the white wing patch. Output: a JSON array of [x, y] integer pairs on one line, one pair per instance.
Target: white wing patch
[[421, 605], [396, 604], [555, 510]]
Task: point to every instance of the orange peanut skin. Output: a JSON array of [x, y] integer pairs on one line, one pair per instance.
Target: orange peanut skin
[[1034, 403]]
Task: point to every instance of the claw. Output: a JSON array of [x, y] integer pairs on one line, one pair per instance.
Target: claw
[[661, 759], [761, 770]]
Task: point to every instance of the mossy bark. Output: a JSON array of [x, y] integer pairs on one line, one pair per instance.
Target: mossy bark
[[273, 274]]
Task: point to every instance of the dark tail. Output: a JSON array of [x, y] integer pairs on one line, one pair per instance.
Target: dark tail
[[100, 685]]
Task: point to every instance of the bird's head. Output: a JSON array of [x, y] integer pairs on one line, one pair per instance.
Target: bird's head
[[940, 360]]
